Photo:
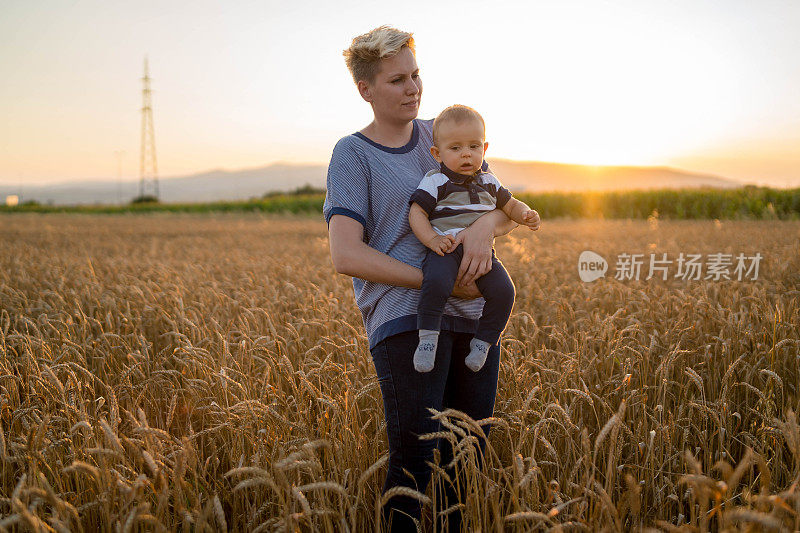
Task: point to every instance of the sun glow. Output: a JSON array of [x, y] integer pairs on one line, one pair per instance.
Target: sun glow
[[705, 85], [584, 95]]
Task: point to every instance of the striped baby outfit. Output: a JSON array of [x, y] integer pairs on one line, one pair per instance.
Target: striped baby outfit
[[453, 201]]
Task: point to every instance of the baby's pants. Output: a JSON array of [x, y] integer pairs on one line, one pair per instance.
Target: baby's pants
[[439, 276]]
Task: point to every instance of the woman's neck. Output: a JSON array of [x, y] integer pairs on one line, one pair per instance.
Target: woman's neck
[[393, 135]]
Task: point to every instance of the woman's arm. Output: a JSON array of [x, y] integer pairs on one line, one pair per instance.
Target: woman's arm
[[477, 240], [503, 227], [353, 257]]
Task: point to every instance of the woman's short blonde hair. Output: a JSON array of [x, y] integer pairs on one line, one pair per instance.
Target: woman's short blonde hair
[[364, 56]]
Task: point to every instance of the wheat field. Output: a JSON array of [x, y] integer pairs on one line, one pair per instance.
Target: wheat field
[[211, 373]]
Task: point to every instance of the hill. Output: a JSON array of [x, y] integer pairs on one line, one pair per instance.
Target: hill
[[223, 185], [534, 176]]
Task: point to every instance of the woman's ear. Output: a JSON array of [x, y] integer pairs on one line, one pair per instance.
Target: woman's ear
[[435, 153], [485, 147], [364, 91]]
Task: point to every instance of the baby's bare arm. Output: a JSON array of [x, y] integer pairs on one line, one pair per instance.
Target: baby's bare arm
[[520, 213], [421, 226]]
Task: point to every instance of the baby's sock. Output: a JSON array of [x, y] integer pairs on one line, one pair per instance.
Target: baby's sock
[[477, 354], [426, 350]]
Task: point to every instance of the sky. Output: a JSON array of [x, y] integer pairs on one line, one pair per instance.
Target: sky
[[701, 85]]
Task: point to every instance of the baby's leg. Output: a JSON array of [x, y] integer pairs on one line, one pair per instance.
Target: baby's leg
[[498, 291], [438, 277]]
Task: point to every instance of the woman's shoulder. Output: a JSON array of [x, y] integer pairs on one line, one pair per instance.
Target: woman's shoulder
[[425, 124], [347, 149], [425, 137], [348, 142], [348, 159]]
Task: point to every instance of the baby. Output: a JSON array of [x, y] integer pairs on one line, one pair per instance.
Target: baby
[[445, 202]]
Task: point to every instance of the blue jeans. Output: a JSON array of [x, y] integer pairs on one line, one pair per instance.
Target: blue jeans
[[406, 396]]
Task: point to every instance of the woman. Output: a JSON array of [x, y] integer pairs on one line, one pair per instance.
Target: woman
[[370, 180]]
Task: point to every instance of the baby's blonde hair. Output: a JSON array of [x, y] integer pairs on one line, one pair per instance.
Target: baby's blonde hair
[[456, 113], [364, 56]]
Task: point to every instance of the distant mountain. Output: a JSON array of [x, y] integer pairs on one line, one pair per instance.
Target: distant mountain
[[208, 186], [536, 176], [215, 185]]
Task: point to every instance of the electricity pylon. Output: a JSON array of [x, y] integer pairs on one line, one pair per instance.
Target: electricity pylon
[[148, 173]]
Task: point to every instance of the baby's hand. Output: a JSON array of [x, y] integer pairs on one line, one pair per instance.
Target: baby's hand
[[531, 219], [441, 243]]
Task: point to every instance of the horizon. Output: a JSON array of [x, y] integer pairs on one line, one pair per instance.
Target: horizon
[[135, 180], [702, 89]]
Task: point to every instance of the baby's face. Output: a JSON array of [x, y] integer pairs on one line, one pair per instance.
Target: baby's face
[[460, 146]]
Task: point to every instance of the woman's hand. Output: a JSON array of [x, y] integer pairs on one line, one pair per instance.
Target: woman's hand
[[467, 293], [477, 240]]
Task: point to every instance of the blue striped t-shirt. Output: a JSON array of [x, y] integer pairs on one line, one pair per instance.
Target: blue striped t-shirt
[[372, 184]]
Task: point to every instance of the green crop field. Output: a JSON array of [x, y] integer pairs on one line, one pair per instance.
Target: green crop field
[[746, 203]]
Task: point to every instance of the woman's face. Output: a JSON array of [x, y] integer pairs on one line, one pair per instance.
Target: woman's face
[[396, 91]]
